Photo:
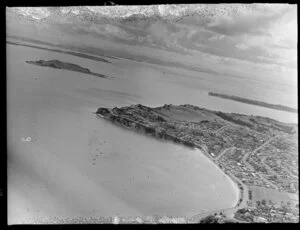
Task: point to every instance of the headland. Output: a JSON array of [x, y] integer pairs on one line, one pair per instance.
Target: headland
[[257, 153]]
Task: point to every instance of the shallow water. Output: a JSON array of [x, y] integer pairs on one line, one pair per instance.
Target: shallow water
[[79, 165]]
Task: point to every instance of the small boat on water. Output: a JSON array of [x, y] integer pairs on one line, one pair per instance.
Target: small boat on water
[[28, 139]]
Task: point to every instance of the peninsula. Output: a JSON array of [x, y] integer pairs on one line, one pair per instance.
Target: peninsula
[[64, 65], [259, 154], [254, 102]]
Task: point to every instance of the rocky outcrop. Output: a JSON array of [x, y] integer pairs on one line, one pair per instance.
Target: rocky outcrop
[[203, 134], [137, 126]]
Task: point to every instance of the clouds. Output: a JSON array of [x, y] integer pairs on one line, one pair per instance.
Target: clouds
[[118, 32], [235, 20], [242, 46], [262, 36], [284, 30], [252, 29], [102, 31], [32, 12], [255, 33], [168, 33], [233, 24]]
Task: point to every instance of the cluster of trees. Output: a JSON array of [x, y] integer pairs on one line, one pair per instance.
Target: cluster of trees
[[103, 111], [284, 128], [244, 214], [275, 125], [250, 195], [233, 120], [284, 206], [215, 219]]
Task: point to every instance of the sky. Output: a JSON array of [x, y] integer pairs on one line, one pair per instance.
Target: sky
[[255, 40]]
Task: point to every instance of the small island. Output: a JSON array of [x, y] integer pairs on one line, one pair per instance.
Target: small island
[[64, 65], [254, 102]]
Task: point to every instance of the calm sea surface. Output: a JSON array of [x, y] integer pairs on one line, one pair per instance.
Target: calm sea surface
[[78, 164]]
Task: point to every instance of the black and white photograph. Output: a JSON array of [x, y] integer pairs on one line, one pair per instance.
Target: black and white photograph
[[152, 114]]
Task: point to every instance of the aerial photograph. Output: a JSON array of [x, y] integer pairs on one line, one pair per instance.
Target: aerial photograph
[[152, 114]]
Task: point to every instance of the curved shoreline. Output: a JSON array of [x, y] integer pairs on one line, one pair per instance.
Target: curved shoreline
[[197, 130], [235, 183], [232, 179]]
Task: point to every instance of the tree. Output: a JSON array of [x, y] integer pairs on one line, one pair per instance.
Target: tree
[[209, 220], [271, 202], [258, 203], [264, 202], [284, 207]]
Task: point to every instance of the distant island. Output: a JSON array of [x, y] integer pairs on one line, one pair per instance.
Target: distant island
[[254, 102], [64, 65]]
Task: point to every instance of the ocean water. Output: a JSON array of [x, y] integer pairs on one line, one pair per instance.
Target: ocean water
[[76, 164]]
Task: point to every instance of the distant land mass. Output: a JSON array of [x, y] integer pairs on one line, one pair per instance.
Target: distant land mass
[[254, 102], [114, 54], [64, 65], [82, 55]]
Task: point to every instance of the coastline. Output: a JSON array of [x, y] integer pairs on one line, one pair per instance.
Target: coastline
[[96, 102], [202, 129], [234, 182]]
